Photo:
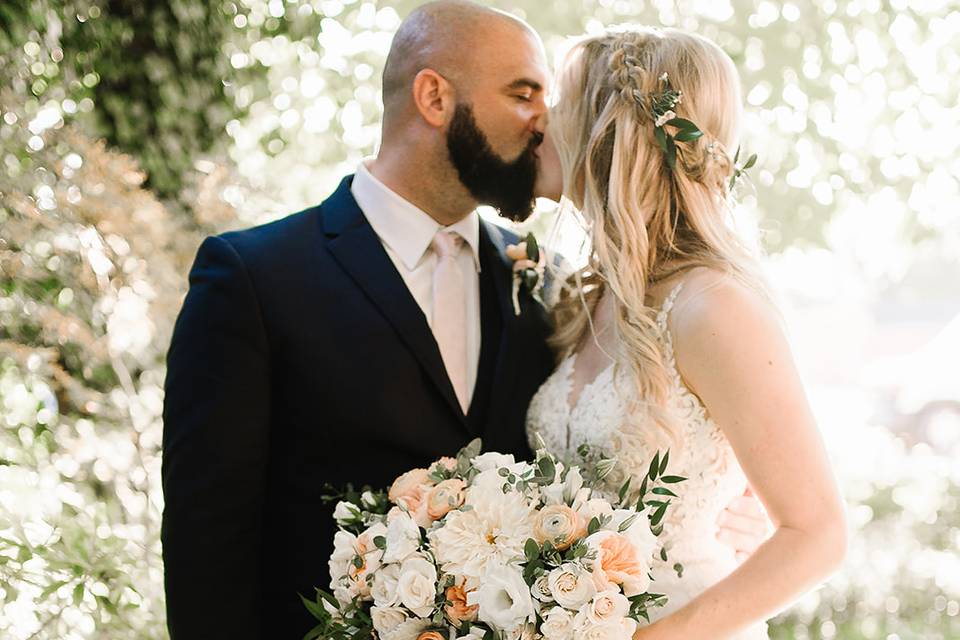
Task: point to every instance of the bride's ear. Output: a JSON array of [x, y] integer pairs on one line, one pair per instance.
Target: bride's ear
[[434, 97]]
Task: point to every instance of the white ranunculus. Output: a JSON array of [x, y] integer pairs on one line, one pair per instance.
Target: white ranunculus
[[503, 597], [572, 586], [385, 583], [607, 606], [403, 538], [417, 586], [345, 513], [410, 629], [386, 618], [492, 460], [557, 625]]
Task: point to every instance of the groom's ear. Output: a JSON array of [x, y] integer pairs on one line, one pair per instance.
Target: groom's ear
[[434, 97]]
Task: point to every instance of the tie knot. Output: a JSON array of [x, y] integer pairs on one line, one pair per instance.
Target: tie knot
[[447, 244]]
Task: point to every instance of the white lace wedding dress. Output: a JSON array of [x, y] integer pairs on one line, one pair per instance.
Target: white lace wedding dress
[[705, 458]]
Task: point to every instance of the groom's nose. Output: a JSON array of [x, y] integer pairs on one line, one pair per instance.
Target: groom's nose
[[540, 123]]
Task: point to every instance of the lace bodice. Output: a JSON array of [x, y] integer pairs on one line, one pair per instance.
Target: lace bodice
[[702, 455]]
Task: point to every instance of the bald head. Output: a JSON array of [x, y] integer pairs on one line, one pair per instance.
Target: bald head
[[447, 36]]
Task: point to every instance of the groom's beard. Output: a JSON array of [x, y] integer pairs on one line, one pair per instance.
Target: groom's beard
[[506, 186]]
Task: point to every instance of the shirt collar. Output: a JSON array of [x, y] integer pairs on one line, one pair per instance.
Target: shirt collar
[[401, 225]]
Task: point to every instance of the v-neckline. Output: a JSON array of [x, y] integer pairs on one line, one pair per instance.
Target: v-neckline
[[568, 377]]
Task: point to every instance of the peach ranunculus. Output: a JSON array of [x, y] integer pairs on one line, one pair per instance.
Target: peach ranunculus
[[458, 611], [444, 497], [431, 635], [618, 561], [409, 488], [560, 525]]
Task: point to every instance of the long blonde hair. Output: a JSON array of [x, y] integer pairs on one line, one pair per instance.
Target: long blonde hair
[[646, 221]]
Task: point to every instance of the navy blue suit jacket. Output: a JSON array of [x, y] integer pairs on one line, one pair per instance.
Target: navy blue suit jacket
[[300, 358]]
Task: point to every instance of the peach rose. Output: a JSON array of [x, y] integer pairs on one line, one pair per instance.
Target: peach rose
[[458, 611], [447, 495], [559, 524], [430, 635], [447, 463], [408, 489], [618, 561]]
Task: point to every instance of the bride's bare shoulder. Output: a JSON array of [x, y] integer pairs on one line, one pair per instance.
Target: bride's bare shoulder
[[719, 315]]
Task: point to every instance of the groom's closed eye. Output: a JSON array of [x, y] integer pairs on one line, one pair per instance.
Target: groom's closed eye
[[524, 89]]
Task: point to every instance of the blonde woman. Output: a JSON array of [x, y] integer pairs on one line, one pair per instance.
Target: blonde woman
[[667, 339]]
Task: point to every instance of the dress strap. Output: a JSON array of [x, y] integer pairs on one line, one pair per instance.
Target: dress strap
[[667, 306]]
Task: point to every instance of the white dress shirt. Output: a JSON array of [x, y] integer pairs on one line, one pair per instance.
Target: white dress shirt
[[407, 233]]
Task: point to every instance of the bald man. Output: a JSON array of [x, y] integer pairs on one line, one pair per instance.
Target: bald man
[[315, 350], [360, 338]]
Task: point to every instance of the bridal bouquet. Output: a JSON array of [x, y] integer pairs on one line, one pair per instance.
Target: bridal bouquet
[[482, 547]]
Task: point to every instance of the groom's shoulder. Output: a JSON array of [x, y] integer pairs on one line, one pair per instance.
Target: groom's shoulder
[[279, 235]]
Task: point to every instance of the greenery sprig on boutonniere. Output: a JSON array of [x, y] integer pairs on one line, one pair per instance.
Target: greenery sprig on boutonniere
[[663, 104], [528, 265]]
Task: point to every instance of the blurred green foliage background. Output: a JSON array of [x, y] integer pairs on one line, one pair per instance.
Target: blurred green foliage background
[[130, 130]]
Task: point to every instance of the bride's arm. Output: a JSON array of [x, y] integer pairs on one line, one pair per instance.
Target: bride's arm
[[732, 353]]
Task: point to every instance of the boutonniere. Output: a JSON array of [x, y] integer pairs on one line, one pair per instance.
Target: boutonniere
[[528, 264]]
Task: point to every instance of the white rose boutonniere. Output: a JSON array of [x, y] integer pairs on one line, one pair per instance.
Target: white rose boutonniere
[[528, 265]]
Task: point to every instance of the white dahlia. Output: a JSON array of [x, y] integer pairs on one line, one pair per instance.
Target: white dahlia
[[494, 528]]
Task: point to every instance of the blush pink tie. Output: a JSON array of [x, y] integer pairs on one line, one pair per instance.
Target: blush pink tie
[[450, 312]]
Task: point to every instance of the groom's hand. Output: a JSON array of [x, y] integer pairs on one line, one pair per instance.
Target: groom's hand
[[744, 525]]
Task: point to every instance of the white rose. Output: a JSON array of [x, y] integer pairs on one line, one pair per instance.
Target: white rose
[[417, 586], [557, 625], [403, 538], [368, 499], [385, 583], [503, 597], [344, 544], [571, 585], [613, 630], [410, 629], [608, 606], [525, 632], [492, 460], [345, 513], [541, 589], [386, 618]]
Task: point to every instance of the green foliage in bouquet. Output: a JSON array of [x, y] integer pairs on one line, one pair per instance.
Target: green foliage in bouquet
[[358, 513]]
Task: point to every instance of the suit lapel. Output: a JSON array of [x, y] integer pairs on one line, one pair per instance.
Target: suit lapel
[[492, 241], [356, 247]]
